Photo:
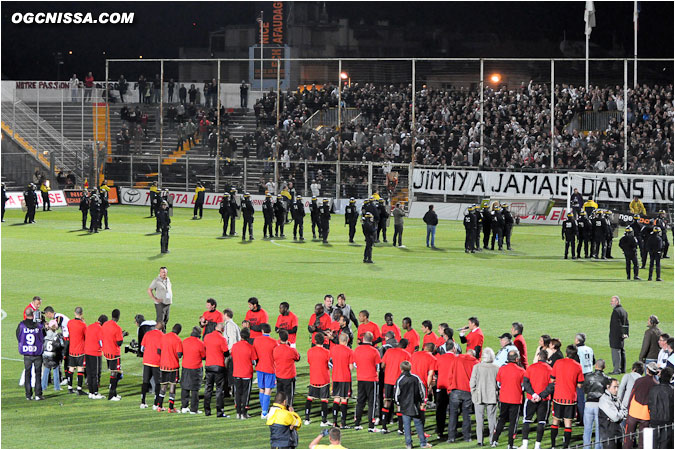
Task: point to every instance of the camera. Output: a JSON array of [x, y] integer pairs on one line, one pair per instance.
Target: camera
[[37, 316], [133, 347]]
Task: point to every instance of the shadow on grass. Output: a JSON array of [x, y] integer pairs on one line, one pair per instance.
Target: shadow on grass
[[152, 234], [157, 256], [245, 242], [326, 244], [76, 231], [601, 280], [18, 224]]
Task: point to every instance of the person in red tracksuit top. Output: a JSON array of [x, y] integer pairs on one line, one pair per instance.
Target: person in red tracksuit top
[[519, 342], [112, 341], [472, 336], [264, 346], [77, 329], [170, 352], [319, 322], [410, 335], [93, 352], [194, 353], [428, 333], [342, 358], [318, 358], [255, 316], [243, 357], [389, 325], [460, 386], [510, 381], [216, 352], [424, 365], [288, 321], [366, 326], [150, 344], [391, 363], [537, 378], [211, 317], [445, 364], [366, 359], [285, 356]]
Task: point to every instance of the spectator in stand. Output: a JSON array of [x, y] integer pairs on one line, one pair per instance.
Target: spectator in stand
[[243, 94], [73, 85], [650, 342], [171, 85], [182, 94], [88, 86]]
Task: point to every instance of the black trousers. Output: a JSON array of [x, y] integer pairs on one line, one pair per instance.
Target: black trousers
[[279, 226], [368, 251], [569, 243], [382, 227], [30, 214], [654, 260], [598, 242], [352, 231], [367, 394], [104, 214], [499, 234], [325, 229], [226, 219], [582, 241], [476, 234], [398, 233], [84, 219], [508, 412], [316, 225], [663, 438], [507, 234], [233, 218], [248, 223], [95, 221], [608, 248], [666, 245], [486, 235], [46, 205], [198, 207], [469, 239], [242, 393], [267, 228], [28, 363], [164, 240], [442, 402], [191, 397], [631, 258], [93, 371], [215, 376], [298, 225], [148, 374]]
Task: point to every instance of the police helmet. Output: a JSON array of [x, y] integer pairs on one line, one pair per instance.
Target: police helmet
[[268, 195], [505, 205], [570, 215], [313, 198], [497, 208], [247, 195], [582, 213], [629, 230], [381, 200], [636, 216], [226, 194], [371, 198], [279, 196], [233, 189], [299, 197], [165, 203], [657, 230], [662, 212], [608, 211], [352, 200], [325, 200], [368, 215]]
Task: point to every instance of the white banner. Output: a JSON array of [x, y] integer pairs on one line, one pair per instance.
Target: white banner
[[56, 198], [544, 185]]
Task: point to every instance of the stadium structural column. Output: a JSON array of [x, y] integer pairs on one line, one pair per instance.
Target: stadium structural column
[[261, 56], [635, 47], [187, 173], [339, 130], [245, 173], [445, 196], [370, 175], [131, 170], [482, 110], [278, 92], [63, 91], [161, 123], [305, 193], [218, 133], [553, 118], [413, 136], [37, 124], [625, 114], [14, 114]]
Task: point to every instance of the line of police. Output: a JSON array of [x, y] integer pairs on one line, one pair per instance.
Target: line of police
[[95, 204], [496, 220], [648, 235]]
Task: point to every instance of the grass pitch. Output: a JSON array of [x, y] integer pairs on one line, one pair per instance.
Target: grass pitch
[[112, 269]]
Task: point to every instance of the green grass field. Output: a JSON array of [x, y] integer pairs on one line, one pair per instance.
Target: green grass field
[[112, 269]]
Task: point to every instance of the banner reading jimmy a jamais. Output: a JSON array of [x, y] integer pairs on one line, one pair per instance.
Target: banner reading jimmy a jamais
[[550, 185]]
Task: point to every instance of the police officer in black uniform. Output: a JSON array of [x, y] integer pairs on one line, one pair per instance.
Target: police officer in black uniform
[[478, 224], [629, 244], [94, 212], [569, 233], [469, 229], [268, 215], [234, 210], [584, 233], [247, 212], [382, 222], [3, 201], [497, 228], [164, 224], [154, 204], [373, 208], [351, 218], [487, 226], [316, 219], [662, 223], [30, 197], [645, 233], [84, 207], [610, 235], [508, 225], [298, 215], [224, 210], [325, 212], [280, 216], [599, 235], [368, 227], [105, 204], [655, 247]]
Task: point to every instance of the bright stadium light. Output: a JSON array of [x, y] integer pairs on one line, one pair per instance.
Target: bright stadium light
[[495, 78], [344, 75]]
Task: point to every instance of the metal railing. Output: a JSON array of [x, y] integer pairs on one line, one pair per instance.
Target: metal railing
[[329, 117], [649, 443]]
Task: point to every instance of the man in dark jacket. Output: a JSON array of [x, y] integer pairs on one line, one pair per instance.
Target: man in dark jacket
[[662, 223], [164, 225], [654, 248], [431, 219], [610, 415], [105, 204], [30, 197], [478, 224], [247, 212], [268, 215], [234, 208], [569, 233], [508, 225], [382, 224], [3, 201], [487, 226], [497, 228], [224, 211], [469, 229], [629, 244], [94, 212], [600, 232], [594, 387], [585, 231], [661, 410], [368, 228], [30, 335], [351, 218], [650, 342], [409, 396], [84, 207], [325, 212], [618, 331], [280, 216], [316, 218], [298, 215]]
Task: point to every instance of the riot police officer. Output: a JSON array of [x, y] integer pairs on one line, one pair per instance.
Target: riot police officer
[[280, 216], [585, 231], [655, 247], [298, 215], [629, 244], [105, 204], [497, 227], [154, 203], [373, 208], [569, 233], [224, 210], [469, 229], [314, 214], [487, 226], [234, 211], [646, 232], [508, 225], [325, 212], [94, 212], [30, 197], [478, 224], [610, 235], [368, 227], [164, 225], [84, 207], [247, 212], [351, 217], [268, 215], [662, 223], [600, 232], [382, 222]]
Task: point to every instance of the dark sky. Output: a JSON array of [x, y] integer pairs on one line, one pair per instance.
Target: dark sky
[[161, 27]]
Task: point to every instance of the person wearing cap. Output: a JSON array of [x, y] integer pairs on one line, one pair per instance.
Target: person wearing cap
[[30, 197], [351, 218], [508, 225], [268, 215], [314, 214], [234, 210], [469, 227], [298, 215], [280, 216], [506, 341], [569, 233], [224, 210], [247, 212], [325, 212], [637, 207], [662, 223], [497, 227], [609, 230], [650, 342], [382, 224], [654, 248], [368, 228], [638, 406], [398, 214], [585, 233], [164, 225], [629, 245]]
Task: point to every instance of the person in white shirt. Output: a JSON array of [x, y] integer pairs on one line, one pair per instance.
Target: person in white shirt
[[507, 346], [74, 84], [315, 188], [664, 353]]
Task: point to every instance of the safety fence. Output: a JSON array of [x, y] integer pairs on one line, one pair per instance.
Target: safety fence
[[651, 438]]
